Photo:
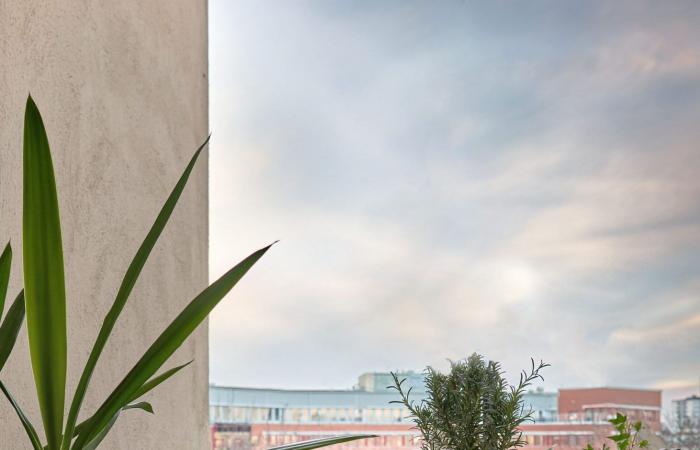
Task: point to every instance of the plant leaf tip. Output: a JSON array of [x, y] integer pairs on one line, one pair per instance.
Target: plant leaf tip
[[265, 249]]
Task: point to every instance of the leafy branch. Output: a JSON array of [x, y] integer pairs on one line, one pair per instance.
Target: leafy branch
[[627, 435]]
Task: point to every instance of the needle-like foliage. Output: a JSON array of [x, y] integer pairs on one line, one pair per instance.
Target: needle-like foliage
[[470, 408]]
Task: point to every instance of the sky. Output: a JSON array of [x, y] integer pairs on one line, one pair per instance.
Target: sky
[[517, 179]]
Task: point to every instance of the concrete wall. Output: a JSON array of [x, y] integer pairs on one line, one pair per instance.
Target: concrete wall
[[122, 87]]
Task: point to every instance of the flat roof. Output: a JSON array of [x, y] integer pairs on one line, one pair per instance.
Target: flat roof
[[324, 398], [609, 388], [303, 398]]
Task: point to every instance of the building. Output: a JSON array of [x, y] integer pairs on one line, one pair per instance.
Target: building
[[380, 381], [601, 404], [543, 405], [255, 419], [687, 409], [583, 416], [563, 434], [273, 417], [123, 90], [270, 417], [281, 406]]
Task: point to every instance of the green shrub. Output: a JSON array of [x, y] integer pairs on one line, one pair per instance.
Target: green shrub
[[470, 408]]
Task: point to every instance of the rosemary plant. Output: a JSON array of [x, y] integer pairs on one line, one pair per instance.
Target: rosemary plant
[[472, 407]]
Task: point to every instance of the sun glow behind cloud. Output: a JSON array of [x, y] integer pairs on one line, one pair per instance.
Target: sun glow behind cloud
[[514, 179]]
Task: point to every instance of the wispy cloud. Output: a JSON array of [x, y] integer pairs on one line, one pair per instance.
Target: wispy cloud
[[514, 179]]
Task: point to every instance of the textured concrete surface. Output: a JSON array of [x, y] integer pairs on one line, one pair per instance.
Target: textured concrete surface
[[122, 87]]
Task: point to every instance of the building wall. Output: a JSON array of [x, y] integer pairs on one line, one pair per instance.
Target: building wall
[[259, 405], [273, 417], [404, 436], [574, 400], [231, 437], [543, 405], [600, 404], [389, 436], [122, 87], [251, 405], [380, 381], [564, 435], [686, 409]]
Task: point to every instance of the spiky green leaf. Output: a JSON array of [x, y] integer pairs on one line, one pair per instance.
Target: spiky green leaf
[[92, 445], [155, 381], [148, 386], [97, 440], [28, 427], [127, 285], [5, 266], [10, 328], [143, 406], [44, 285], [165, 345], [317, 443]]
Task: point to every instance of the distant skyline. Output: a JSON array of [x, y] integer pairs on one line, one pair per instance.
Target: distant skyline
[[518, 179]]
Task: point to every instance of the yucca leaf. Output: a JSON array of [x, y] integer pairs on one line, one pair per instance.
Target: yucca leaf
[[28, 427], [10, 328], [149, 385], [127, 285], [165, 345], [5, 265], [44, 285], [143, 406], [97, 440], [317, 443], [155, 381]]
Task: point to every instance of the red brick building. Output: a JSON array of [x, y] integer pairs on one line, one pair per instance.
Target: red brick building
[[584, 413], [599, 404], [564, 435]]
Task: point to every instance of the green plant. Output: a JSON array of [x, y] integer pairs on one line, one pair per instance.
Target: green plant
[[45, 302], [627, 434], [471, 408], [9, 328]]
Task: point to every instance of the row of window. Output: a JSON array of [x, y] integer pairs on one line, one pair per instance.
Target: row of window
[[394, 442], [250, 414], [570, 440]]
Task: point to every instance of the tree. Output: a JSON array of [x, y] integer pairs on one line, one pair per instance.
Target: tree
[[684, 434]]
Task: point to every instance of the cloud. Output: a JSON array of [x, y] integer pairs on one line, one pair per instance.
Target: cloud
[[456, 177]]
